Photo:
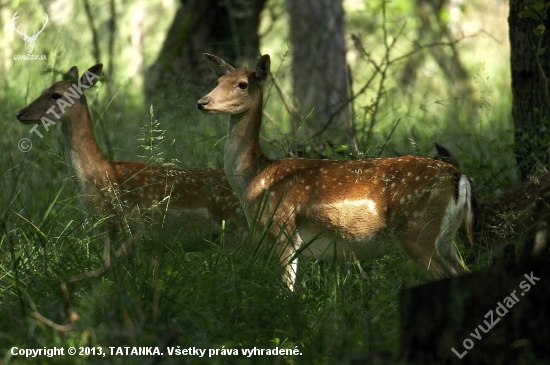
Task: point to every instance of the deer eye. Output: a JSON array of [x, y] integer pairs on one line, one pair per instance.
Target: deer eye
[[243, 85], [56, 96]]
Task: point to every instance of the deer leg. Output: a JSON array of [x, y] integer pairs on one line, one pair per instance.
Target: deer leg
[[429, 261], [287, 245], [447, 252], [423, 247], [288, 264], [445, 241]]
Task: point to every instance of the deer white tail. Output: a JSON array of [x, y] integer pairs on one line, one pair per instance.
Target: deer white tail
[[466, 186]]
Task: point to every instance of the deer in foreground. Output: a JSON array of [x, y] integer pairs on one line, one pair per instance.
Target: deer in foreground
[[336, 209], [181, 199]]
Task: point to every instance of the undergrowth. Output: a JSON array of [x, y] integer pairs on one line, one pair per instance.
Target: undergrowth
[[168, 292]]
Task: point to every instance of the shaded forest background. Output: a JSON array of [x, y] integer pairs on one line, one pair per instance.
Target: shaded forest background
[[350, 79], [345, 73]]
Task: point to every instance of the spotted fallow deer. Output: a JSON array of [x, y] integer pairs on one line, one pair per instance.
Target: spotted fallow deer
[[181, 199], [514, 213], [333, 209]]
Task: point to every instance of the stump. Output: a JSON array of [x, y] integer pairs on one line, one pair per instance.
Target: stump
[[499, 315]]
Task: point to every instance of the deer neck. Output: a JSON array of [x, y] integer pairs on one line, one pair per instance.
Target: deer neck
[[81, 146], [243, 157]]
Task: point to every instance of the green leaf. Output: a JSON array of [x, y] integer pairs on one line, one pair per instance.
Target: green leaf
[[341, 148], [538, 31], [525, 14], [541, 51]]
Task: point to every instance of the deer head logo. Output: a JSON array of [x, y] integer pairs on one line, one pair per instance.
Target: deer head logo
[[29, 41]]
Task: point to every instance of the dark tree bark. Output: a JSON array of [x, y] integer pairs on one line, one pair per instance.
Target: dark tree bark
[[530, 108], [226, 28], [319, 71], [442, 315]]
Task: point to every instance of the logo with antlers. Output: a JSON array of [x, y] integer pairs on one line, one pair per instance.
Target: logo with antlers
[[29, 41]]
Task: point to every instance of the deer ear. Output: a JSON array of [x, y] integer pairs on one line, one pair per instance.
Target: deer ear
[[262, 68], [218, 66], [92, 75], [72, 74]]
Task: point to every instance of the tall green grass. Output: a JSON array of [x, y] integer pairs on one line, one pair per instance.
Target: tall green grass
[[212, 298], [206, 295], [209, 298]]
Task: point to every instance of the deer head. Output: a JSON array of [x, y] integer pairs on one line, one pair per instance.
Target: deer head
[[29, 41], [64, 100]]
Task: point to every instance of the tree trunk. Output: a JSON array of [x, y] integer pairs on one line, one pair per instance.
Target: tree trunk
[[319, 71], [226, 28], [477, 316], [530, 108]]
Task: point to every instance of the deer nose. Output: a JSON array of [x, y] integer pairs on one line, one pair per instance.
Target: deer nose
[[203, 102], [20, 114]]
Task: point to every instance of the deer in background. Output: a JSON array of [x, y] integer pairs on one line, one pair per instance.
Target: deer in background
[[180, 199], [519, 212], [516, 212], [336, 209]]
